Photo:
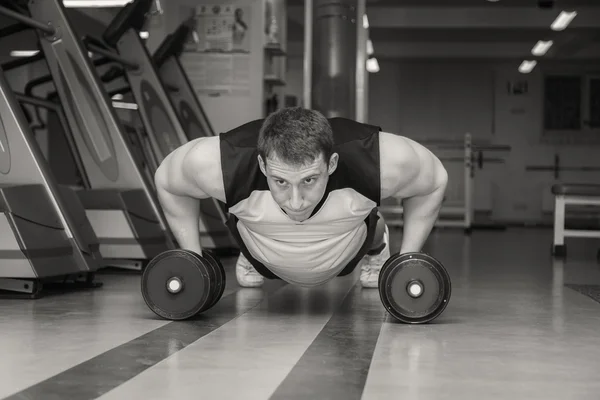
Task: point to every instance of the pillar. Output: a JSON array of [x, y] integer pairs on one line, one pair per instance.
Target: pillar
[[334, 51]]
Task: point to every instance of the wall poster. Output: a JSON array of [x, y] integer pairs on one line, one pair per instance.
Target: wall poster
[[217, 54]]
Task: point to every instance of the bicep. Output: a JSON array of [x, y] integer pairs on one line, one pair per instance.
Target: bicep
[[409, 168]]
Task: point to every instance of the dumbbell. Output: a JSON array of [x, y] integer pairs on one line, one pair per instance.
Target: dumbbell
[[414, 288], [178, 284]]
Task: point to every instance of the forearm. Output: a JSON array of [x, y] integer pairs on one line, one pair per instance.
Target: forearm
[[420, 214], [183, 215]]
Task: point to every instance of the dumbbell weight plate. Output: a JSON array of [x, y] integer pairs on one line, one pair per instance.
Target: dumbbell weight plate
[[178, 284], [221, 278], [415, 288]]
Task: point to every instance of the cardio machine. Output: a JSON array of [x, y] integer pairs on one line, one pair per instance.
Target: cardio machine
[[119, 203], [165, 128], [44, 235]]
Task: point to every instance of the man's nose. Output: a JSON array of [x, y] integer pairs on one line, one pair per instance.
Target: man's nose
[[296, 199]]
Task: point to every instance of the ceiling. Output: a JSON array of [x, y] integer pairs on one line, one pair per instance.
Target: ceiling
[[505, 29]]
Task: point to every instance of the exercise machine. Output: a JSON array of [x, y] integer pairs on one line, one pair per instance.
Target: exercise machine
[[120, 205], [44, 235], [121, 42], [180, 90], [567, 195]]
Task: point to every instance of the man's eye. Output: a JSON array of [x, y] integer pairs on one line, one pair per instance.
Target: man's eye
[[309, 180], [279, 182]]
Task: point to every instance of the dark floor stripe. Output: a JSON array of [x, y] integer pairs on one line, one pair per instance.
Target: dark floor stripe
[[336, 364], [99, 375], [591, 291]]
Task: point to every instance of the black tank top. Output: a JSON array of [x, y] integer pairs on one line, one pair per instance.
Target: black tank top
[[358, 167]]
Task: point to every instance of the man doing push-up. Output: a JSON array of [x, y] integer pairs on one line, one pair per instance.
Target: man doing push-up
[[303, 193]]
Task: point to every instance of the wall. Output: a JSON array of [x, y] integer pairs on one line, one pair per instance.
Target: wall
[[227, 111], [443, 99]]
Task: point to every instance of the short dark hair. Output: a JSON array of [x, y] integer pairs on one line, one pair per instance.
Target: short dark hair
[[295, 135]]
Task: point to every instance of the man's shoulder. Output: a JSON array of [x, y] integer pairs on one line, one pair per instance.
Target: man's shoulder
[[245, 135], [348, 130]]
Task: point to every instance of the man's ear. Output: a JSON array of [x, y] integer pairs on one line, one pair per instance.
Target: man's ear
[[262, 165], [333, 163]]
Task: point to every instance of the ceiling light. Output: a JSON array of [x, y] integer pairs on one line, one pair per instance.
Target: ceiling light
[[124, 105], [365, 21], [563, 20], [370, 50], [527, 66], [95, 3], [541, 47], [144, 34], [372, 65], [24, 53]]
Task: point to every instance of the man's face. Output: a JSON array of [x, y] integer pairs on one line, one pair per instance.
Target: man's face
[[298, 190]]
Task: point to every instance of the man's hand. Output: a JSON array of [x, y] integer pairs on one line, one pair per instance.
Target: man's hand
[[411, 172]]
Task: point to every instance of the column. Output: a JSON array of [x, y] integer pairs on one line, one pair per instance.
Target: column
[[334, 51]]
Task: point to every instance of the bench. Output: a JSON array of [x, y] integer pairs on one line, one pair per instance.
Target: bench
[[572, 194]]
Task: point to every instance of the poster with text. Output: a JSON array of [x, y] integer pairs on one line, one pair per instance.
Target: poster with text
[[217, 58]]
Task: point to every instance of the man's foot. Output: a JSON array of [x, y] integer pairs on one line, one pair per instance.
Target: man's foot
[[245, 273], [371, 264]]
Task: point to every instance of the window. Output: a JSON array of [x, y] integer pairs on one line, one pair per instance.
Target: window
[[562, 103], [592, 111], [571, 108]]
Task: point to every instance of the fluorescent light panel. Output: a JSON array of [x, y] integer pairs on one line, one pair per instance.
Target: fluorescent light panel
[[527, 66], [372, 65], [541, 47], [125, 106], [370, 49], [563, 20], [24, 53], [95, 3], [365, 21]]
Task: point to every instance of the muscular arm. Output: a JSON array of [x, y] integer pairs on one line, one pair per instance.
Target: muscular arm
[[411, 172], [188, 174]]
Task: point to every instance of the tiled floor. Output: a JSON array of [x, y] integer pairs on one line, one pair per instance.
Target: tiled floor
[[515, 328]]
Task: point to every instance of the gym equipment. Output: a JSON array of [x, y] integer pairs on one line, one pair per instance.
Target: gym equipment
[[44, 233], [556, 168], [220, 288], [179, 284], [157, 114], [136, 138], [119, 204], [569, 194], [57, 111], [162, 123], [180, 90], [461, 160], [415, 288], [572, 194]]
